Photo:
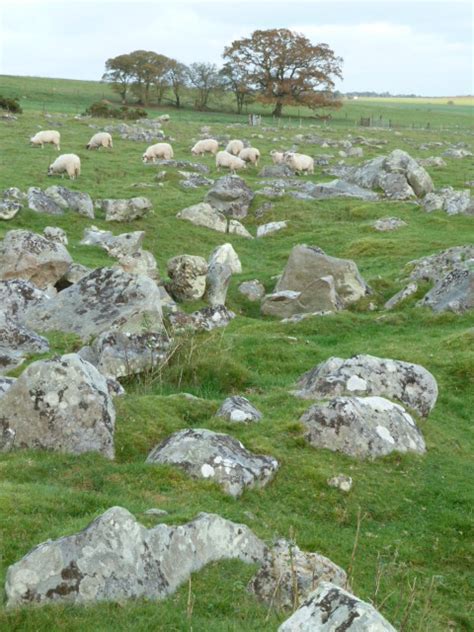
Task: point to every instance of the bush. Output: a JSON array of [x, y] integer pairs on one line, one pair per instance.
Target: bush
[[103, 110], [12, 105]]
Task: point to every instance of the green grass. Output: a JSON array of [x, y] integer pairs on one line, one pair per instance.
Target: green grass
[[417, 511]]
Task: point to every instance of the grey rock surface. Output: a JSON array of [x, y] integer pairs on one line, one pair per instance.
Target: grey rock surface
[[454, 293], [62, 404], [106, 299], [205, 215], [217, 283], [362, 427], [214, 456], [187, 277], [332, 609], [17, 295], [122, 210], [238, 409], [366, 375], [226, 254], [12, 200], [272, 227], [76, 201], [435, 267], [448, 200], [341, 482], [288, 575], [385, 224], [230, 195], [54, 233], [205, 319], [40, 202], [253, 290], [116, 558]]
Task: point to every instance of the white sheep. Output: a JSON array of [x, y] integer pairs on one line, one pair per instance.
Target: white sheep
[[234, 147], [101, 139], [224, 159], [46, 136], [159, 150], [299, 162], [250, 154], [66, 163], [278, 157], [207, 145]]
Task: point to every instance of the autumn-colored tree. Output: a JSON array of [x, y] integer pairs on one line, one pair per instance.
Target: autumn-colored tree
[[149, 69], [119, 72], [285, 68]]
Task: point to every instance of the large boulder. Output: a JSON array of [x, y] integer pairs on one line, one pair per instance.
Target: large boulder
[[217, 283], [120, 210], [454, 293], [117, 354], [107, 299], [333, 189], [61, 404], [448, 200], [11, 202], [362, 427], [187, 277], [115, 245], [227, 255], [436, 267], [26, 255], [332, 609], [76, 201], [17, 295], [141, 262], [40, 202], [364, 375], [317, 283], [17, 341], [210, 455], [116, 558], [288, 575], [205, 215], [231, 196]]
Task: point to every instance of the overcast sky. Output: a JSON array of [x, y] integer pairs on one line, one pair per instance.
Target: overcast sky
[[422, 47]]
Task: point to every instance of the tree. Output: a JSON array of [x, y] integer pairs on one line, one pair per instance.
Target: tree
[[205, 78], [234, 79], [285, 68], [148, 69], [119, 72], [178, 78]]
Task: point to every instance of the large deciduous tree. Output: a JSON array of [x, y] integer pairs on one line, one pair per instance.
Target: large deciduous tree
[[178, 79], [119, 72], [205, 79], [149, 69], [285, 68], [235, 80]]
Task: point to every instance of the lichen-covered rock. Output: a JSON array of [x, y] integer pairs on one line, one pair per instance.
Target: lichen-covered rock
[[32, 257], [395, 186], [76, 201], [272, 227], [448, 200], [5, 383], [107, 299], [362, 427], [17, 341], [226, 254], [364, 375], [287, 570], [54, 233], [16, 295], [205, 215], [454, 293], [404, 293], [11, 202], [141, 262], [318, 282], [230, 195], [436, 267], [333, 189], [114, 245], [252, 290], [117, 354], [187, 277], [385, 224], [204, 319], [453, 152], [217, 283], [214, 456], [276, 171], [116, 558], [40, 202], [341, 481], [332, 609], [238, 409], [120, 210], [61, 404]]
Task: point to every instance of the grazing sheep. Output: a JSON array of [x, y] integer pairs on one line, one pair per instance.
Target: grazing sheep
[[101, 139], [66, 163], [278, 157], [250, 154], [234, 147], [159, 150], [207, 145], [46, 136], [224, 159], [299, 162]]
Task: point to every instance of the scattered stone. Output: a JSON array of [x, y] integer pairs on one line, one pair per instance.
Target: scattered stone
[[116, 558], [204, 319], [238, 409], [187, 277], [436, 267], [217, 283], [32, 257], [117, 354], [155, 512], [116, 246], [210, 455], [454, 293], [276, 171], [183, 164], [75, 273], [194, 180], [448, 200], [330, 609], [252, 290], [432, 161], [124, 210], [362, 427], [54, 233], [107, 299], [11, 203], [16, 342], [366, 375], [61, 404], [42, 203], [227, 255], [76, 201], [205, 215], [385, 224], [141, 262], [288, 575], [272, 227], [333, 189], [17, 295], [395, 186], [457, 153], [341, 481], [406, 292], [231, 196]]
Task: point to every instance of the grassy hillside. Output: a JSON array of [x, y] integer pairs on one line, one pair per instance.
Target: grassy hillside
[[414, 554]]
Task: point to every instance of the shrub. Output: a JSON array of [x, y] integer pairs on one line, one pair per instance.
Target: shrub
[[102, 109], [12, 105]]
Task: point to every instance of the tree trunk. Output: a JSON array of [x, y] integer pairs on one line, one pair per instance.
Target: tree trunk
[[278, 109], [178, 101]]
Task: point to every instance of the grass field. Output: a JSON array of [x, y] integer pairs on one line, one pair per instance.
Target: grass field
[[416, 532]]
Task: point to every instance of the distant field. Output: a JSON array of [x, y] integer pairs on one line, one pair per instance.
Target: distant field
[[73, 97]]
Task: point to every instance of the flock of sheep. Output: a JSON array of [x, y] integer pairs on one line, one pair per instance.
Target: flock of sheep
[[234, 157]]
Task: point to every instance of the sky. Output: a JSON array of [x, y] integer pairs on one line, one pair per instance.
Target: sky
[[405, 46]]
